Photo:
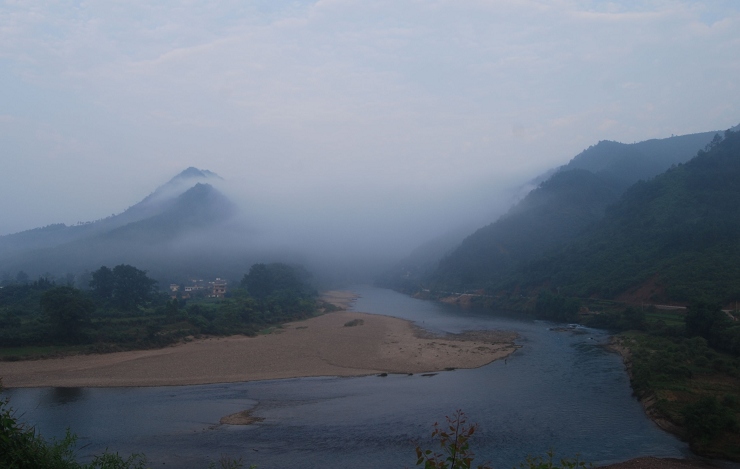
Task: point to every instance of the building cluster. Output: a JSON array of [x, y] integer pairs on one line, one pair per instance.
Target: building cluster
[[198, 287]]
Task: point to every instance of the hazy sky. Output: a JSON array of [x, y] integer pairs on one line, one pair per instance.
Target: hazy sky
[[333, 107]]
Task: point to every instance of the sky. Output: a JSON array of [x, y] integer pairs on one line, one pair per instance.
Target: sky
[[409, 116]]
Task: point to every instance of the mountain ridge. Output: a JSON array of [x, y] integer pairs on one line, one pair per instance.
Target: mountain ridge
[[183, 208], [573, 198]]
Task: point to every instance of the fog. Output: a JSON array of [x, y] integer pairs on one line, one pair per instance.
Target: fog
[[347, 133]]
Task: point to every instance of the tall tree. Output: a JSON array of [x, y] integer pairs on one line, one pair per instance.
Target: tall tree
[[131, 287], [124, 287], [102, 283], [68, 311]]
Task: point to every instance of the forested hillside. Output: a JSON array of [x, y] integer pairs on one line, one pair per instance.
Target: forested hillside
[[677, 236], [626, 164], [562, 208], [550, 215]]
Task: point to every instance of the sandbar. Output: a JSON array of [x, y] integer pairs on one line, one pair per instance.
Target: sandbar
[[321, 346]]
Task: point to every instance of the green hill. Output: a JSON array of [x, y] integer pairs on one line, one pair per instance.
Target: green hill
[[673, 238], [562, 208], [557, 211]]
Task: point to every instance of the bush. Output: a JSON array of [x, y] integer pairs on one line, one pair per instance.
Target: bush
[[706, 419]]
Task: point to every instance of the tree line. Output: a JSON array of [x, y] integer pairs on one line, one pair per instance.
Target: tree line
[[123, 308]]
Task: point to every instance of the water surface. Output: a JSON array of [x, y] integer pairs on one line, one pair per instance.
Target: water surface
[[560, 390]]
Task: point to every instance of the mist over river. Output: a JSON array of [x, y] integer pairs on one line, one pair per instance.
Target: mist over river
[[560, 390]]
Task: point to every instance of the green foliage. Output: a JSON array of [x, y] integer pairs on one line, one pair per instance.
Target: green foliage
[[102, 283], [691, 385], [707, 320], [629, 318], [125, 287], [558, 212], [553, 214], [678, 231], [453, 439], [69, 316], [22, 448], [69, 311], [266, 281], [557, 307], [703, 318], [706, 419]]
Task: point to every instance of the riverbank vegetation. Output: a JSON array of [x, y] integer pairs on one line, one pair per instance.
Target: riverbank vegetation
[[688, 375], [124, 310]]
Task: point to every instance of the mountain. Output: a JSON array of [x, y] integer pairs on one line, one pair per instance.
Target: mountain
[[183, 215], [560, 209], [671, 239], [59, 234], [626, 164]]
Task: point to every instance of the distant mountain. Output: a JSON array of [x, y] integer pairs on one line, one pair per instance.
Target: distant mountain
[[176, 222], [405, 275], [627, 163], [673, 238], [563, 206], [557, 211]]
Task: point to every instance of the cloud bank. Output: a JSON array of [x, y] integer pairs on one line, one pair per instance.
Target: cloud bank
[[386, 120]]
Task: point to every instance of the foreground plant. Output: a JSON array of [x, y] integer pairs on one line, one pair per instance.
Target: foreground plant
[[453, 441], [455, 453]]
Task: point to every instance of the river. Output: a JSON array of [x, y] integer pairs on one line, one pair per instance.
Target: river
[[561, 390]]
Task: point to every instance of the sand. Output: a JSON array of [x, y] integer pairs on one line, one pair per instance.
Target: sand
[[320, 346]]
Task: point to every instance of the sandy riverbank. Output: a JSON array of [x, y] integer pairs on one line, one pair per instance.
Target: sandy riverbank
[[320, 346]]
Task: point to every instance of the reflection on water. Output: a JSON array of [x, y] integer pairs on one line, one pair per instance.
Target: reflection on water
[[62, 396], [561, 390]]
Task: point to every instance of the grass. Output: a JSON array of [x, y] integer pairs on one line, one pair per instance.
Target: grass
[[670, 318], [31, 352]]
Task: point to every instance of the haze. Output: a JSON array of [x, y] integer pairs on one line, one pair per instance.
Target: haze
[[343, 123]]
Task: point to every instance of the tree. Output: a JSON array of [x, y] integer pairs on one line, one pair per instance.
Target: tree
[[258, 281], [704, 319], [21, 277], [264, 280], [706, 419], [102, 283], [125, 287], [131, 287], [68, 311]]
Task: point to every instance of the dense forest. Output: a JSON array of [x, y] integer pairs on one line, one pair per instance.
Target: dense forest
[[566, 203], [673, 238], [124, 309], [677, 232]]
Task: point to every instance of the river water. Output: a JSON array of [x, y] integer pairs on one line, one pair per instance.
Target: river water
[[560, 391]]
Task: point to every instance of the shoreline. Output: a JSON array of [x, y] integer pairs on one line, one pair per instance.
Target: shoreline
[[339, 344], [647, 402]]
